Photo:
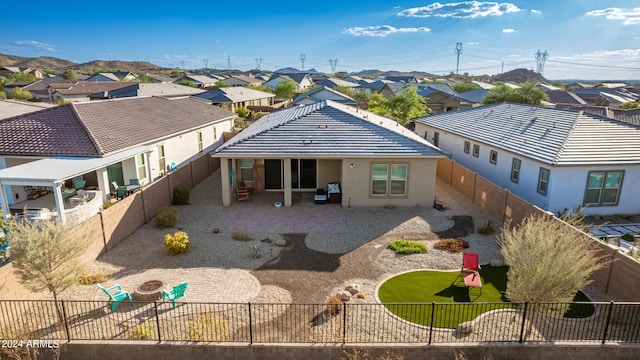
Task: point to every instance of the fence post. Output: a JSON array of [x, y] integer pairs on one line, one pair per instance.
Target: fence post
[[344, 324], [433, 312], [250, 326], [606, 324], [524, 319], [66, 323], [155, 307]]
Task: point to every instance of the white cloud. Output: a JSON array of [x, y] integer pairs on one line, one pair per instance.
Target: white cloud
[[537, 12], [35, 44], [473, 43], [508, 31], [381, 31], [170, 57], [461, 10], [628, 16]]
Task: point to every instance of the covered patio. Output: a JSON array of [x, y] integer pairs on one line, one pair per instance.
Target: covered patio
[[56, 184]]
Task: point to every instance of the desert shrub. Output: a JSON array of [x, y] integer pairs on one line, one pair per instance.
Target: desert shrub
[[181, 195], [628, 217], [334, 305], [142, 331], [208, 326], [167, 217], [241, 236], [408, 247], [243, 112], [177, 243], [90, 279], [627, 237], [19, 94], [257, 251], [452, 245], [487, 230], [361, 295]]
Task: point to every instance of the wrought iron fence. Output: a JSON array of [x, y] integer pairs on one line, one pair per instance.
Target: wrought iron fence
[[428, 323]]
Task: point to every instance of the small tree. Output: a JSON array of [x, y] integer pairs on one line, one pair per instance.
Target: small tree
[[344, 90], [19, 94], [378, 104], [629, 105], [465, 86], [548, 260], [528, 94], [221, 84], [46, 256], [70, 75], [407, 105], [361, 96], [286, 89]]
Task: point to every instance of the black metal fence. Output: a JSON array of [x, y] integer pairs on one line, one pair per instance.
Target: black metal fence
[[430, 323]]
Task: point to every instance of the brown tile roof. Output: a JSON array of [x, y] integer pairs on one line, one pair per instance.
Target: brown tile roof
[[98, 128]]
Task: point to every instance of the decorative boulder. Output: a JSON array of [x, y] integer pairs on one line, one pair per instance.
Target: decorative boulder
[[344, 295], [465, 328], [281, 242], [353, 288], [496, 263]]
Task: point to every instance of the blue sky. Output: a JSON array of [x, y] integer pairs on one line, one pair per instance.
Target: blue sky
[[585, 39]]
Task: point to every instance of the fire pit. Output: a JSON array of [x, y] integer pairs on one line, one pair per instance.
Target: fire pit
[[150, 290]]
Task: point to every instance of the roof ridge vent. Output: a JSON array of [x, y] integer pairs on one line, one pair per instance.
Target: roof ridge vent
[[534, 119]]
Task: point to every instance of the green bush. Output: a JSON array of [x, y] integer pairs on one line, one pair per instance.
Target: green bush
[[19, 94], [408, 247], [181, 195], [177, 243], [487, 230], [452, 245], [167, 217], [243, 112]]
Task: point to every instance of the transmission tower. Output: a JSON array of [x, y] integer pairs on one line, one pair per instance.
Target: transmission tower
[[541, 57], [458, 51], [333, 64], [258, 62], [182, 62], [302, 58], [206, 63], [228, 62]]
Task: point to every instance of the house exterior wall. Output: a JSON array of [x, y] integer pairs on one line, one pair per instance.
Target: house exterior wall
[[566, 186], [329, 170], [356, 183]]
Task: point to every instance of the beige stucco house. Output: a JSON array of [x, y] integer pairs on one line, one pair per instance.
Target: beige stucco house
[[301, 149]]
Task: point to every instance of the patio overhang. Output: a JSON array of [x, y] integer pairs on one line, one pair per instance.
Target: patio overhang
[[54, 171]]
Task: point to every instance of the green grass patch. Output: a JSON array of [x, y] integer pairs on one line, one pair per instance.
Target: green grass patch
[[406, 247], [443, 287]]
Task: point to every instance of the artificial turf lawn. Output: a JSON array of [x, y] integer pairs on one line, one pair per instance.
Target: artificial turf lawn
[[447, 287]]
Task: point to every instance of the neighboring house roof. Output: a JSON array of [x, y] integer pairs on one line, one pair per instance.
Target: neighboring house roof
[[97, 128], [199, 79], [553, 136], [376, 84], [627, 116], [233, 95], [106, 75], [325, 93], [297, 77], [401, 78], [327, 129], [564, 97], [547, 87], [474, 96], [484, 85], [244, 80], [162, 78], [334, 81], [157, 89], [424, 89], [86, 87], [9, 108]]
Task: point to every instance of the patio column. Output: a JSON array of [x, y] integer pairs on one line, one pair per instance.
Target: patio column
[[287, 181], [57, 195], [103, 183], [226, 183], [4, 202]]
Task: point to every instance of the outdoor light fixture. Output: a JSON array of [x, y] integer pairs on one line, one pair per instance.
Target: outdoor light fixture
[[352, 165]]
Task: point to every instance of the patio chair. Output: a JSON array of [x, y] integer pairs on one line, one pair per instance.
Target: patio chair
[[118, 191], [116, 295], [176, 293], [470, 271]]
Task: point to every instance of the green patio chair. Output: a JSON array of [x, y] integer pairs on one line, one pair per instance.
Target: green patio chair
[[115, 297], [176, 293]]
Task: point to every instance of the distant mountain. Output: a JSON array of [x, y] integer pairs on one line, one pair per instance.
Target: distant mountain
[[43, 62], [520, 76]]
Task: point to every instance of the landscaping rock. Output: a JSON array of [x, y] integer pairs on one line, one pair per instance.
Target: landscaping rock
[[281, 242], [496, 263], [465, 328], [344, 295], [353, 288]]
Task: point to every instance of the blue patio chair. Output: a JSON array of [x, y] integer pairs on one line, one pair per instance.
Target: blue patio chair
[[176, 293], [116, 295]]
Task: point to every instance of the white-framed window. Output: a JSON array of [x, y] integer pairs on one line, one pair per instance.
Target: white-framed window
[[603, 187], [515, 170], [200, 141], [389, 179], [476, 150], [142, 169], [246, 169], [467, 147], [543, 181], [161, 160], [493, 157]]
